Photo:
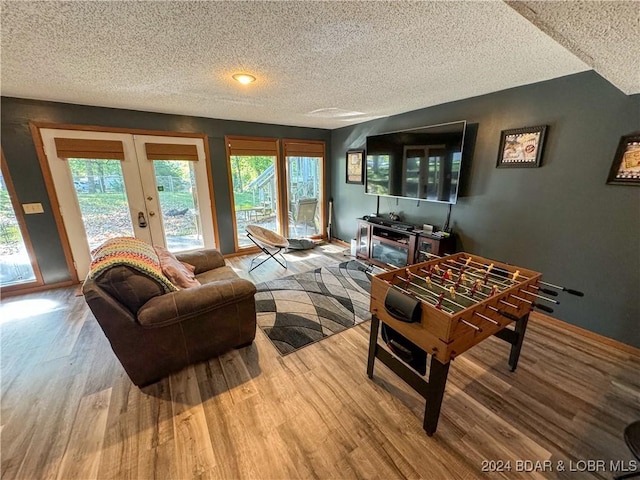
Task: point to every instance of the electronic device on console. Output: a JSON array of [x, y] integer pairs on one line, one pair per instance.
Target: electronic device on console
[[405, 227]]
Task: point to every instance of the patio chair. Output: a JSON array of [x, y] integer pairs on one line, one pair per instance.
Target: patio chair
[[270, 242], [305, 213]]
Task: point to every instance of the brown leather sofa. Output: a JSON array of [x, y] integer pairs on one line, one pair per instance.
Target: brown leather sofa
[[154, 333]]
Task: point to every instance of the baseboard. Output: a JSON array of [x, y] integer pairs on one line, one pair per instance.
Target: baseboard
[[38, 288], [245, 251], [340, 242], [586, 333]]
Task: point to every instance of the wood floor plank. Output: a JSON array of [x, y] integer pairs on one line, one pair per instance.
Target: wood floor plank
[[67, 336], [84, 450], [194, 455], [237, 376], [155, 440]]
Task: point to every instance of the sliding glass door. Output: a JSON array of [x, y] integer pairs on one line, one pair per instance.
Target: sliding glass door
[[283, 193], [305, 194], [254, 182]]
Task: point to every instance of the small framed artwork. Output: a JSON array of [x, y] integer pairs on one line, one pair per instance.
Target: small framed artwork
[[521, 147], [625, 169], [355, 171]]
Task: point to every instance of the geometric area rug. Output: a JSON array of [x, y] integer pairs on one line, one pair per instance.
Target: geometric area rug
[[301, 309]]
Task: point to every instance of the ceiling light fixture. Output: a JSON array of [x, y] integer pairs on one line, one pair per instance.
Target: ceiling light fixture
[[244, 78]]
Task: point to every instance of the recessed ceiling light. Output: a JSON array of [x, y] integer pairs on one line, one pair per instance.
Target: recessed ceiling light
[[244, 78]]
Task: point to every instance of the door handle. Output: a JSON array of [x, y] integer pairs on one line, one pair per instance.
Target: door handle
[[142, 222]]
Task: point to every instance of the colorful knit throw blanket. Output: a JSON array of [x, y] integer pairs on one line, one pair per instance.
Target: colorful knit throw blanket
[[130, 252]]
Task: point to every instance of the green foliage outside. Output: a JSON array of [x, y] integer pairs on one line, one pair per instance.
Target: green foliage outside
[[245, 169], [243, 199], [107, 215], [10, 236], [93, 176]]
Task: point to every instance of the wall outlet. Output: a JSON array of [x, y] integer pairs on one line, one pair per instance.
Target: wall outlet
[[30, 208]]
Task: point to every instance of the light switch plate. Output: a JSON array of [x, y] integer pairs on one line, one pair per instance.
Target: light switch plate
[[30, 208]]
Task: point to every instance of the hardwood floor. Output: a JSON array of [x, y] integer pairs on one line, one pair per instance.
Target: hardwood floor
[[69, 411]]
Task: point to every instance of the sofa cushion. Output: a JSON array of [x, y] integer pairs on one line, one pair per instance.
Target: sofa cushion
[[129, 270], [179, 273], [129, 287], [190, 303], [203, 260], [220, 273]]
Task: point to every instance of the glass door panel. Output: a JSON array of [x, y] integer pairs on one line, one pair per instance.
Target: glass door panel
[[178, 197], [96, 195], [363, 239], [255, 194], [15, 263], [99, 186], [304, 188], [176, 191], [390, 254]]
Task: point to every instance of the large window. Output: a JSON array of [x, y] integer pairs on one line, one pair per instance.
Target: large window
[[17, 266]]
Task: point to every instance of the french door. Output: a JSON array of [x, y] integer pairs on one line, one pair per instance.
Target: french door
[[155, 188]]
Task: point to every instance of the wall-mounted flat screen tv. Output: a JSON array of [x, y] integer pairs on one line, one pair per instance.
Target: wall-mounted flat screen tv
[[422, 163]]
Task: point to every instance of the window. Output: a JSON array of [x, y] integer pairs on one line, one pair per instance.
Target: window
[[18, 268]]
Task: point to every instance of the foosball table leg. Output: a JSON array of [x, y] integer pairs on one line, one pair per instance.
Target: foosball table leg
[[515, 337], [520, 329], [373, 344], [438, 373]]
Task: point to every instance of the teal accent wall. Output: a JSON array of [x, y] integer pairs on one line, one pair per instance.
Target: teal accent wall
[[561, 219]]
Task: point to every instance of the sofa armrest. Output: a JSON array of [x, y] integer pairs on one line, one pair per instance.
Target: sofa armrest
[[203, 260], [188, 303]]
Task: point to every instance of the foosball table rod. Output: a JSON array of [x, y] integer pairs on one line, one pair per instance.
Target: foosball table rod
[[541, 307], [456, 284], [557, 287], [560, 288]]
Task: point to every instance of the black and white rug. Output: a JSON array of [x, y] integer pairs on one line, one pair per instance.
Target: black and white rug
[[301, 309]]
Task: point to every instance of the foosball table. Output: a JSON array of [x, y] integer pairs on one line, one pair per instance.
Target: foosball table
[[441, 308]]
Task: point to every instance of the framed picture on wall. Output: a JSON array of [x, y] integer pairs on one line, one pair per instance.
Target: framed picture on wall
[[521, 147], [355, 170], [625, 169]]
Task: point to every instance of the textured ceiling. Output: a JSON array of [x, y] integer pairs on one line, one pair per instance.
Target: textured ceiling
[[604, 35], [319, 64]]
